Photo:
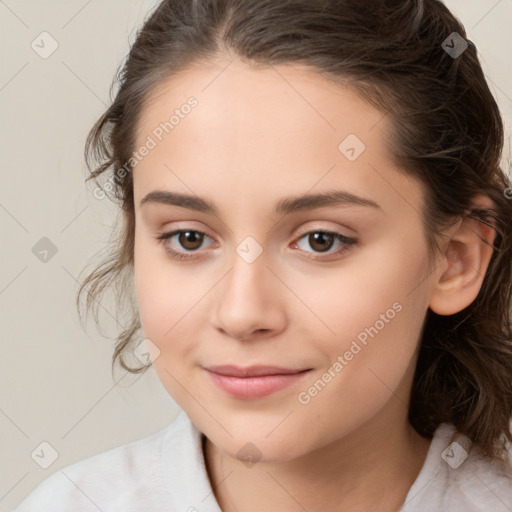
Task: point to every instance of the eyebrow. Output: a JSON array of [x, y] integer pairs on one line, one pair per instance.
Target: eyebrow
[[284, 206]]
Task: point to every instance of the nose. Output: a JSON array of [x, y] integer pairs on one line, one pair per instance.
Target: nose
[[249, 303]]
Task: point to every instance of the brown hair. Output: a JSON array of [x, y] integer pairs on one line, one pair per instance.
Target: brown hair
[[447, 132]]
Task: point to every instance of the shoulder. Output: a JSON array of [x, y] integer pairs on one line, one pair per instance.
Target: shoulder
[[488, 484], [127, 477], [457, 477]]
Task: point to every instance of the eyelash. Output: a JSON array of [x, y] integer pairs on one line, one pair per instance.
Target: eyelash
[[345, 240]]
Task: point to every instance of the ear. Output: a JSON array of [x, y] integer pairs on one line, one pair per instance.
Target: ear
[[461, 268]]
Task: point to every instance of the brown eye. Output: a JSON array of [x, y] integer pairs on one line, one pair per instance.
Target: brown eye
[[330, 242], [183, 244], [190, 240], [321, 241]]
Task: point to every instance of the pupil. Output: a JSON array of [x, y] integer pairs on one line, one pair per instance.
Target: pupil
[[187, 238], [318, 241]]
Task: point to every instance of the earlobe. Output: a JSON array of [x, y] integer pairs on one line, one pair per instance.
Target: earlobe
[[461, 268]]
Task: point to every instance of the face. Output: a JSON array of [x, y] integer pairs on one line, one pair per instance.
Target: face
[[333, 292]]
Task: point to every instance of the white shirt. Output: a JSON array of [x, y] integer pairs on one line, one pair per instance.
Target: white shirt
[[166, 472]]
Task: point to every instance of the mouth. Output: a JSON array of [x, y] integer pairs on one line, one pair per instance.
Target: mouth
[[253, 371], [255, 381]]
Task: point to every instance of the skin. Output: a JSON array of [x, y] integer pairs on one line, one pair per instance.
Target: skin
[[257, 135]]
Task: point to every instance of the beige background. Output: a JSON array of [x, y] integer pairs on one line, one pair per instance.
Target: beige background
[[56, 384]]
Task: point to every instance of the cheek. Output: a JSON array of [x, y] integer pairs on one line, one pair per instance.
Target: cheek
[[164, 295], [173, 301], [374, 309], [370, 361], [168, 301], [379, 292]]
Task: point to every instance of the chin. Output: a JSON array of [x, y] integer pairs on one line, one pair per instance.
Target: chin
[[263, 451]]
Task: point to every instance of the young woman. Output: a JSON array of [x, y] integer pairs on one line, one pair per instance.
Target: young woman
[[319, 234]]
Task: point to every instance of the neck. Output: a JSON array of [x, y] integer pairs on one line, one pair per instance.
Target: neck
[[371, 469]]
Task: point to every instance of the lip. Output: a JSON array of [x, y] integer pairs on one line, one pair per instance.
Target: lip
[[252, 371], [255, 381]]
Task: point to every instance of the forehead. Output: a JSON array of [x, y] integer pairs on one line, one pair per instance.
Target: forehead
[[254, 126], [234, 93]]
